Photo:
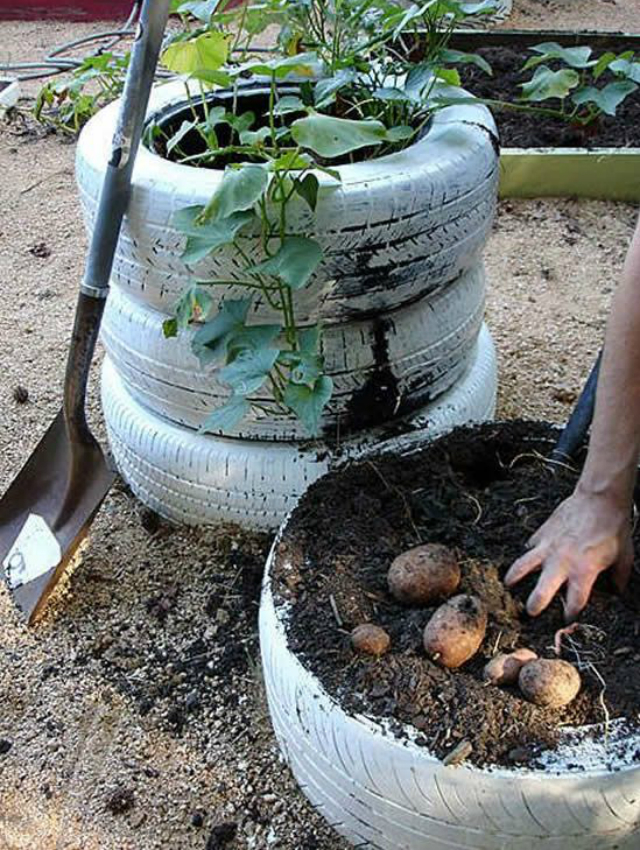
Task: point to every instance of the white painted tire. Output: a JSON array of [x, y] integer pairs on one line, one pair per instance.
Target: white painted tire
[[386, 793], [395, 228], [199, 479], [426, 345]]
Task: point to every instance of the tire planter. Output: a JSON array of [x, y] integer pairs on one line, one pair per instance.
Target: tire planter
[[428, 346], [400, 296], [380, 789], [192, 478]]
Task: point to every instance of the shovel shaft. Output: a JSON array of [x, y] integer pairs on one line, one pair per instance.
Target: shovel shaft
[[117, 181], [114, 198]]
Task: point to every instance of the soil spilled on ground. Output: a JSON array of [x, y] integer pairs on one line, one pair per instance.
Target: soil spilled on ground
[[520, 129], [481, 492]]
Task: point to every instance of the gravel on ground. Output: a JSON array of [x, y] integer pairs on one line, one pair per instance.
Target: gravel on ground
[[134, 716]]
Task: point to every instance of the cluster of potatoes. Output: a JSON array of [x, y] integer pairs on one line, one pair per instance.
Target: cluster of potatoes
[[456, 630]]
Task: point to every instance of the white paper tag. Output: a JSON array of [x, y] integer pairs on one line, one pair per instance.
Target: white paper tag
[[36, 551]]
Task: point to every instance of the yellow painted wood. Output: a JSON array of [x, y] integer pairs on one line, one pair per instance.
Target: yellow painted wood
[[604, 173]]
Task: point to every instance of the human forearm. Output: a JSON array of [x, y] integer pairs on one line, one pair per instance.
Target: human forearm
[[614, 447]]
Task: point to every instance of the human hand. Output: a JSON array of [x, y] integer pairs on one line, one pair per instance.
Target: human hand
[[584, 536]]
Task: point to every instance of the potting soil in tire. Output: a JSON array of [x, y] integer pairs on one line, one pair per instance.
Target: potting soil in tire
[[481, 491]]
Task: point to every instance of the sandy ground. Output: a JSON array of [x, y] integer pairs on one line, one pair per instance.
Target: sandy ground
[[617, 15], [134, 717]]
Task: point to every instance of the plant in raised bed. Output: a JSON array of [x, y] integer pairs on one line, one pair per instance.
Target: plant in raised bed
[[587, 88]]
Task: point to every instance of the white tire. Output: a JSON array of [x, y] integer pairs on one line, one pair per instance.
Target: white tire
[[393, 230], [383, 792], [422, 348], [197, 479]]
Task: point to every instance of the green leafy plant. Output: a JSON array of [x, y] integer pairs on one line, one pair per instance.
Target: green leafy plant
[[587, 88], [347, 95], [68, 103], [340, 86]]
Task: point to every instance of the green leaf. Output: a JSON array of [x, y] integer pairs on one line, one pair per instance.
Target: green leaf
[[226, 417], [255, 137], [203, 239], [449, 76], [200, 9], [291, 161], [215, 78], [287, 104], [178, 136], [460, 57], [252, 337], [206, 52], [209, 343], [193, 305], [607, 99], [574, 57], [241, 122], [170, 328], [546, 83], [399, 133], [326, 88], [309, 339], [626, 68], [308, 403], [307, 188], [602, 64], [332, 137], [307, 370], [240, 189], [248, 372], [294, 262], [302, 65]]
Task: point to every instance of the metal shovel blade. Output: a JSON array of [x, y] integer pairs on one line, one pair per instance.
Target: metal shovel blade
[[37, 541]]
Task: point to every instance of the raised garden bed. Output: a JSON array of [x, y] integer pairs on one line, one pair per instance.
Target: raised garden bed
[[397, 721], [541, 156]]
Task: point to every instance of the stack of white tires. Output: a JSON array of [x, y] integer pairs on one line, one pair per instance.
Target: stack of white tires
[[400, 296]]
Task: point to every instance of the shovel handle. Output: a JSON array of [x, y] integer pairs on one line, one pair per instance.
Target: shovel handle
[[114, 198], [575, 430]]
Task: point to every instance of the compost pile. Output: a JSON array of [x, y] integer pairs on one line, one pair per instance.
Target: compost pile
[[481, 492]]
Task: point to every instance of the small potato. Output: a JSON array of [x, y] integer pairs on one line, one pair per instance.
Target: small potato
[[552, 683], [505, 668], [454, 633], [370, 639], [424, 574]]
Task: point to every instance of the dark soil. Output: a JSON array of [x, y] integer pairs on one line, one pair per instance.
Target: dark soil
[[518, 129], [481, 492]]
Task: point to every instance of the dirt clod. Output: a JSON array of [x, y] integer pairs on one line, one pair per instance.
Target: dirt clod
[[221, 835], [20, 394], [121, 800]]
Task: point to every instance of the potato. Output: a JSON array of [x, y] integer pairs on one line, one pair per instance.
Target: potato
[[424, 574], [455, 631], [505, 668], [551, 683], [370, 639]]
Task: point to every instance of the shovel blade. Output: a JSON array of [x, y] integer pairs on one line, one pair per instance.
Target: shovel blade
[[35, 548]]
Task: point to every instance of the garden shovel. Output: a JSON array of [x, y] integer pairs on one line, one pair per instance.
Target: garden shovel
[[46, 512]]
